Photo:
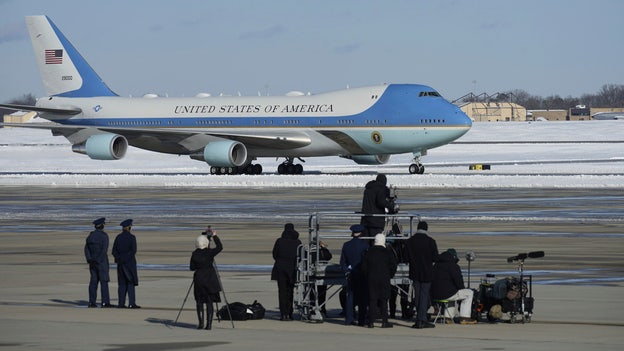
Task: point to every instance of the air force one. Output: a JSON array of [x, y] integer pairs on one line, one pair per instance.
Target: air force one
[[366, 124]]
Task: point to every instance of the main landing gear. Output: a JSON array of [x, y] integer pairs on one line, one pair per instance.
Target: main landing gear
[[288, 167], [248, 169]]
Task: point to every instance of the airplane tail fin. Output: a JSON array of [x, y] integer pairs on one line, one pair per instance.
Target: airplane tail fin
[[63, 70]]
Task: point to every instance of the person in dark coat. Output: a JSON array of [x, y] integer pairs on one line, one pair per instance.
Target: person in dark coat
[[96, 254], [285, 269], [350, 262], [448, 284], [379, 265], [375, 202], [124, 251], [205, 279], [422, 252]]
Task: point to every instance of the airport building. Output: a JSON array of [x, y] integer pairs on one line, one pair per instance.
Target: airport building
[[19, 117], [494, 111]]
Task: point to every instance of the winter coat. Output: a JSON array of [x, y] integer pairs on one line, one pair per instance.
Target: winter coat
[[375, 201], [205, 279], [352, 255], [124, 251], [447, 277], [379, 266], [285, 256], [96, 253], [422, 252]]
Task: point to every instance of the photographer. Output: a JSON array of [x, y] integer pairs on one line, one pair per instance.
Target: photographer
[[205, 278], [375, 202]]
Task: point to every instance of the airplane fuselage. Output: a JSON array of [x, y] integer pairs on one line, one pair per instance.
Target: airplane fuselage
[[384, 119]]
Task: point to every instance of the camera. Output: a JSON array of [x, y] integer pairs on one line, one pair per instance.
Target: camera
[[208, 232]]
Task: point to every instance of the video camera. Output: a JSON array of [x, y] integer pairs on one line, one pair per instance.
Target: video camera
[[523, 256], [392, 196]]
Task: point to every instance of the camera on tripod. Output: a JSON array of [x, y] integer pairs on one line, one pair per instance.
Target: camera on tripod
[[392, 196]]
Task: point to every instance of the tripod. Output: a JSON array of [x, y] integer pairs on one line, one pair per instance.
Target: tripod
[[524, 288], [183, 302], [227, 305]]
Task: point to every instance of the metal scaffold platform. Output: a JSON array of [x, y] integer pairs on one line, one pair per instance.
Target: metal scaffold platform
[[314, 274]]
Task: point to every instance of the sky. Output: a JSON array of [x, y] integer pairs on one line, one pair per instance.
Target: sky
[[585, 154], [181, 48]]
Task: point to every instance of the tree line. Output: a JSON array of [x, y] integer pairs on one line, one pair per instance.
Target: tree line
[[609, 96]]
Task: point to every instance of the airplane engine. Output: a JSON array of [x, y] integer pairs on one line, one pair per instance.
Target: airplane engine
[[370, 159], [225, 153], [103, 147]]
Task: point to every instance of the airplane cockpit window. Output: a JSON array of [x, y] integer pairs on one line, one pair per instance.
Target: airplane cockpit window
[[428, 93]]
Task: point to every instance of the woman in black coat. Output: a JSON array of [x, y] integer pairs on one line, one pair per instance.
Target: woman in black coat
[[379, 265], [205, 278], [285, 269]]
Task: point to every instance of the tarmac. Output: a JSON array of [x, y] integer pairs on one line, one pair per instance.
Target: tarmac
[[43, 307], [43, 295]]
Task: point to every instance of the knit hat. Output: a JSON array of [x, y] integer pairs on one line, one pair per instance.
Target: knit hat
[[201, 242], [380, 240], [381, 178]]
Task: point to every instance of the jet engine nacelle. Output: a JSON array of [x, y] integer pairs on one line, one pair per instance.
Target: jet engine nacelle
[[226, 153], [103, 147], [370, 159]]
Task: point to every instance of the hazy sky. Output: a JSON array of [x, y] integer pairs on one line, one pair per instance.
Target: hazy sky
[[181, 48]]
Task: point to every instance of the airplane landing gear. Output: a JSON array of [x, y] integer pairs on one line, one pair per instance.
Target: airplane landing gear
[[252, 169], [223, 170], [249, 169], [416, 168], [288, 167]]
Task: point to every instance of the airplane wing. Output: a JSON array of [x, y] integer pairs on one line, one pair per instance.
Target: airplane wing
[[56, 111], [175, 141]]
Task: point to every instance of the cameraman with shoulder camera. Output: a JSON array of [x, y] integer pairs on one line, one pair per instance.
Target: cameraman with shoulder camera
[[376, 200], [206, 281]]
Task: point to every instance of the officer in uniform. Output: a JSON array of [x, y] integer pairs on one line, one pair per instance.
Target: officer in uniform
[[96, 254], [350, 262], [124, 251]]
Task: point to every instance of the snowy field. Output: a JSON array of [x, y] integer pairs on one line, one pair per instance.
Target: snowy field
[[587, 154]]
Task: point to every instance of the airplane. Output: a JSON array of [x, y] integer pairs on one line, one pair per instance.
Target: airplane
[[366, 124]]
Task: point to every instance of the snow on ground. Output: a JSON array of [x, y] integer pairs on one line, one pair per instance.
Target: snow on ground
[[585, 154]]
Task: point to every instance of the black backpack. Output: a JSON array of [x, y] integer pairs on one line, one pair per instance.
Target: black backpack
[[238, 310], [257, 310]]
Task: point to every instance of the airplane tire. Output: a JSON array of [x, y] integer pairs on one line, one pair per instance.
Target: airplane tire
[[290, 169], [416, 168], [257, 169], [298, 169]]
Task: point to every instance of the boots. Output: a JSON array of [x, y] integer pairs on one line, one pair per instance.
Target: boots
[[200, 314], [209, 313]]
